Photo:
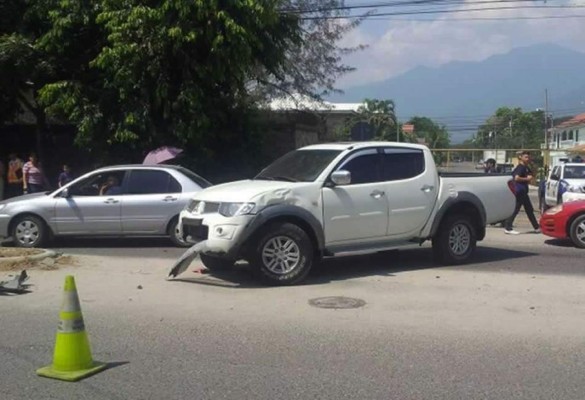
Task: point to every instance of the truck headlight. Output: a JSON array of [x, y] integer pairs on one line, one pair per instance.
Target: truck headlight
[[235, 209]]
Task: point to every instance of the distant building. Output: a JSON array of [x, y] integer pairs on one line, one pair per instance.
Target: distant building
[[298, 122], [567, 140]]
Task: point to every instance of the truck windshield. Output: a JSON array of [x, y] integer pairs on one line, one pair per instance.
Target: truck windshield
[[299, 166]]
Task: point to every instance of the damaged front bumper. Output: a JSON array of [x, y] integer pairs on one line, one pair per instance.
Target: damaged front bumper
[[222, 236]]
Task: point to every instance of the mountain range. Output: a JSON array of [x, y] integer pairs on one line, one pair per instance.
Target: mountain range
[[461, 95]]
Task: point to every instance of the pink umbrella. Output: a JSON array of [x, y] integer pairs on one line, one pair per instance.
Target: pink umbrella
[[161, 155]]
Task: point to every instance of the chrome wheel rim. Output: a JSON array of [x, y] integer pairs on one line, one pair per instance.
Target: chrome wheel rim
[[580, 231], [27, 233], [459, 239], [281, 255]]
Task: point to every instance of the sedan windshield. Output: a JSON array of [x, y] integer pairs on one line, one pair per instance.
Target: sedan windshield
[[299, 166]]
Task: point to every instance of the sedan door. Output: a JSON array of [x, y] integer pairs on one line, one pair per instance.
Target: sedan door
[[153, 198], [359, 210], [84, 211]]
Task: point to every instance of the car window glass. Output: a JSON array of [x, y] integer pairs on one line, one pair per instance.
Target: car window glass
[[174, 185], [364, 168], [575, 172], [102, 183], [402, 164], [148, 182]]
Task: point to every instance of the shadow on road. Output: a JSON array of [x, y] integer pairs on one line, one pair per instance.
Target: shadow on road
[[560, 242], [383, 264], [111, 242]]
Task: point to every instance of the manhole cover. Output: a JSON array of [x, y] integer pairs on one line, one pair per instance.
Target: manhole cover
[[337, 302]]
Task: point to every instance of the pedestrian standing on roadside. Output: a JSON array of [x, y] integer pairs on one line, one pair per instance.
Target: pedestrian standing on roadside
[[522, 175], [14, 176], [65, 176], [33, 177], [490, 166]]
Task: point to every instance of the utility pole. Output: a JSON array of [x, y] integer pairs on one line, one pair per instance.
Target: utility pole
[[546, 157], [397, 125]]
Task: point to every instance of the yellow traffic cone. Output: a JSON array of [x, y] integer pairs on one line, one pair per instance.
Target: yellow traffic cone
[[72, 359]]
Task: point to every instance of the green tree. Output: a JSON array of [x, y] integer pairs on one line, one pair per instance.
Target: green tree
[[511, 128], [434, 135], [378, 114], [25, 69], [167, 71]]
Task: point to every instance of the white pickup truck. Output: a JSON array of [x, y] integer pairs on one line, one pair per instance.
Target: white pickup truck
[[343, 198], [566, 182]]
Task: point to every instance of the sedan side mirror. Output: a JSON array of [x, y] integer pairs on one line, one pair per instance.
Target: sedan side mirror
[[341, 177]]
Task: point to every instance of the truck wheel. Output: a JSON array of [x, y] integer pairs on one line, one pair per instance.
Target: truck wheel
[[283, 254], [455, 241], [577, 231], [216, 263], [29, 231]]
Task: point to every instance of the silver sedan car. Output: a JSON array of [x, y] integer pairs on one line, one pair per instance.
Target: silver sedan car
[[124, 200]]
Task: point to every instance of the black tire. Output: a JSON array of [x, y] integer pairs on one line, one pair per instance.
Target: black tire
[[283, 254], [577, 231], [216, 263], [29, 231], [173, 232], [455, 240]]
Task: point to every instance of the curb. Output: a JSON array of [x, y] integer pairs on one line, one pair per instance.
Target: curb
[[34, 257]]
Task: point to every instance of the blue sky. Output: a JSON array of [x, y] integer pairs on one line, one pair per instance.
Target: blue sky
[[397, 44]]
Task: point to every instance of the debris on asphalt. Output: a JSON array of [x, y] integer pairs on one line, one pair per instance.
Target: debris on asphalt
[[186, 259], [139, 287], [16, 284]]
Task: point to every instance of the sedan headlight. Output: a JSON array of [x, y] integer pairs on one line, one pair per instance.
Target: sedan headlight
[[2, 206], [554, 210], [235, 209]]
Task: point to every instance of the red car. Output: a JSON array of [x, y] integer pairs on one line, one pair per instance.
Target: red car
[[566, 220]]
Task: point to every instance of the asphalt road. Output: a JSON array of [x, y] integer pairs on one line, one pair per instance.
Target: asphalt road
[[507, 326]]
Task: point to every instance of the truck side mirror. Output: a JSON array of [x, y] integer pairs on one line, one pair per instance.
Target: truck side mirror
[[341, 177]]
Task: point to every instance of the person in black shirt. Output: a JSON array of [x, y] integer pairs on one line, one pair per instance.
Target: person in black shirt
[[522, 175]]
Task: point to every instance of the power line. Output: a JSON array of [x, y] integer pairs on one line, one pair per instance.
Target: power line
[[403, 3], [576, 16], [422, 12]]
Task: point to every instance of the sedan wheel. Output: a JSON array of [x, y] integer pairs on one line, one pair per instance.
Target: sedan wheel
[[29, 231], [175, 235], [578, 231]]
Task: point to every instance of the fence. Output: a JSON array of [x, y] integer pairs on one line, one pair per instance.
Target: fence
[[468, 160]]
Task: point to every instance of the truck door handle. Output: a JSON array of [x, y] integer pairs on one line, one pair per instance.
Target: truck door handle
[[170, 198], [427, 188], [376, 194], [111, 201]]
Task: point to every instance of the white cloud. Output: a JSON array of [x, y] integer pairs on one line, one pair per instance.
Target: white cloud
[[403, 45]]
